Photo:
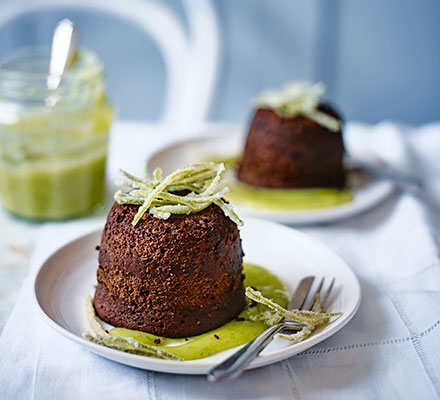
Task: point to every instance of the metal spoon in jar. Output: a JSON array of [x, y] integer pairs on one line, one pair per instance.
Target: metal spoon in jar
[[64, 42]]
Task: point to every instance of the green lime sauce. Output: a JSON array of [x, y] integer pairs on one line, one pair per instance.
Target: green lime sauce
[[286, 199], [52, 158], [242, 194], [68, 189], [241, 330]]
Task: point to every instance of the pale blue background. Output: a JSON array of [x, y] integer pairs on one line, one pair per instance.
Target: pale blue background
[[380, 59]]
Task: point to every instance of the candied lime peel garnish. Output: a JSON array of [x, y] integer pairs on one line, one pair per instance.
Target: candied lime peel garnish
[[298, 98], [129, 345], [161, 197], [93, 320], [310, 319]]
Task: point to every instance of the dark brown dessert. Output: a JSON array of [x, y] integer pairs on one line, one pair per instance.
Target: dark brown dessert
[[176, 277], [292, 152]]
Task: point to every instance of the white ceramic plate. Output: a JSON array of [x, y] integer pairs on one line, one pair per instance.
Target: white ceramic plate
[[69, 275], [230, 144]]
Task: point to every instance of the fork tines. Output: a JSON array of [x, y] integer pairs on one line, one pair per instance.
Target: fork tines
[[324, 297]]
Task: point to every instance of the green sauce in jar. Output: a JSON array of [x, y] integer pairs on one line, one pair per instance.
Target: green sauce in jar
[[53, 144]]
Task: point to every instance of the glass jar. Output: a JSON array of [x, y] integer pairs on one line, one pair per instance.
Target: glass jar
[[53, 143]]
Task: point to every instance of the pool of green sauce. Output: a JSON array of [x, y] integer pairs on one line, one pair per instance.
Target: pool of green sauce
[[234, 333], [286, 199], [242, 194]]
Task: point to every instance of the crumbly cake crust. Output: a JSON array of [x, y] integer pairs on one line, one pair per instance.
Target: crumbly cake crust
[[177, 277], [292, 152]]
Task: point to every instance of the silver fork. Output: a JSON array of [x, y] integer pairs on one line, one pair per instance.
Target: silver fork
[[379, 168], [233, 366]]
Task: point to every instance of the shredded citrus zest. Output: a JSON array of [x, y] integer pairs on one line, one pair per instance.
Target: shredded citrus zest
[[93, 320], [310, 319], [129, 345], [299, 98], [160, 196]]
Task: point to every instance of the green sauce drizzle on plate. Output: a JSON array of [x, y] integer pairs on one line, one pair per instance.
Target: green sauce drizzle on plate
[[241, 330], [286, 199], [242, 194]]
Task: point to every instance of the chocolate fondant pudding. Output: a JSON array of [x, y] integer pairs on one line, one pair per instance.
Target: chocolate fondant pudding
[[173, 277], [291, 144]]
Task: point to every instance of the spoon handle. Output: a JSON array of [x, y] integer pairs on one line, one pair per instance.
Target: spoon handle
[[63, 47]]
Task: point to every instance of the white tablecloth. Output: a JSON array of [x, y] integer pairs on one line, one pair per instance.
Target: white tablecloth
[[390, 350]]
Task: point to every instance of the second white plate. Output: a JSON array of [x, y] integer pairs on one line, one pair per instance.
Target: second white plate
[[230, 144]]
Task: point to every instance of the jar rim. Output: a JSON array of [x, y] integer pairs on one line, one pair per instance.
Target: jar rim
[[87, 58], [24, 73]]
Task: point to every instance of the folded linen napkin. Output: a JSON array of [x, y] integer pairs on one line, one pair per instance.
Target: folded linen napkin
[[391, 348]]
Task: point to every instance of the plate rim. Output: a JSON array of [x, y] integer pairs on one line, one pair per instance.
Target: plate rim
[[293, 217], [200, 366]]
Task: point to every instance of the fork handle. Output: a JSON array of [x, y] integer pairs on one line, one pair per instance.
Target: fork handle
[[235, 364]]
